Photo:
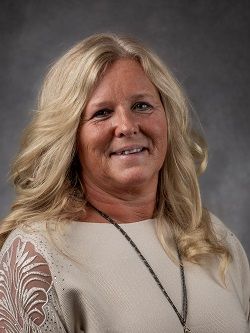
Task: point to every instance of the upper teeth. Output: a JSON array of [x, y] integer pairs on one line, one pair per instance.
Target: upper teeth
[[130, 151]]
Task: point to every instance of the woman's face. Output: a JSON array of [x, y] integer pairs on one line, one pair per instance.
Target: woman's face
[[122, 141]]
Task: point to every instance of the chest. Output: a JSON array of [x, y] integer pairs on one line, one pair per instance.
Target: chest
[[114, 292]]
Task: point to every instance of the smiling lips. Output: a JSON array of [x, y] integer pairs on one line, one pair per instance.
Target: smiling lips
[[128, 151]]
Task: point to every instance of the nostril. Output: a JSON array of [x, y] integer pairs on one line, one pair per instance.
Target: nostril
[[126, 131]]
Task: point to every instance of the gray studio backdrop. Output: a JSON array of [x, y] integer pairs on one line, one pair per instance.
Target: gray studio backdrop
[[205, 43]]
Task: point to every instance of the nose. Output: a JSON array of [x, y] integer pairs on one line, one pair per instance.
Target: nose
[[126, 124]]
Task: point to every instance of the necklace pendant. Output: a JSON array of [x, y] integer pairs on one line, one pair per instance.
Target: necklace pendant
[[186, 329]]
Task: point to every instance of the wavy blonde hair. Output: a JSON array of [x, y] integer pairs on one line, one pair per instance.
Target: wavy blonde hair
[[46, 172]]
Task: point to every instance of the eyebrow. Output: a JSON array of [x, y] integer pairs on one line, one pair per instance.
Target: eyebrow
[[142, 95], [132, 97]]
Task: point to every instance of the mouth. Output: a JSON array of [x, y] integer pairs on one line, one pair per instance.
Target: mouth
[[129, 151]]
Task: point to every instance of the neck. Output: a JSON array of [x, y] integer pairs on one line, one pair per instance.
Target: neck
[[123, 208]]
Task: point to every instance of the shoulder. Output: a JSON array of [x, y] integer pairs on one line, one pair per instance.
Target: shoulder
[[20, 259], [226, 236], [45, 236], [235, 247], [36, 240], [32, 238], [27, 249], [238, 271], [27, 294]]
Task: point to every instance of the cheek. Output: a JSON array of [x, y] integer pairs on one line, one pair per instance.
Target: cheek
[[87, 139], [162, 139], [92, 144], [164, 131], [160, 131], [84, 147], [164, 127]]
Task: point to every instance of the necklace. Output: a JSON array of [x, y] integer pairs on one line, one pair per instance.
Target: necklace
[[182, 318]]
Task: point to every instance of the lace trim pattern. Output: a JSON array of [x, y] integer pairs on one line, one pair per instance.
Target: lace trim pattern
[[25, 281]]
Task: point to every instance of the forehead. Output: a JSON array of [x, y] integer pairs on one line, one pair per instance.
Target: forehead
[[122, 78]]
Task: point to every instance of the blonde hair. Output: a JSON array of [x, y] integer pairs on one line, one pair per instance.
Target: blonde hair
[[46, 172]]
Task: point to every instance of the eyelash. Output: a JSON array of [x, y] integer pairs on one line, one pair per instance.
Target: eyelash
[[100, 113], [148, 106], [105, 113]]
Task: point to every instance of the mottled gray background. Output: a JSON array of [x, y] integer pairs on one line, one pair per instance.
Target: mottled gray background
[[205, 43]]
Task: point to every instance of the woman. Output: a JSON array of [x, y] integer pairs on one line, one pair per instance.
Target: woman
[[107, 232]]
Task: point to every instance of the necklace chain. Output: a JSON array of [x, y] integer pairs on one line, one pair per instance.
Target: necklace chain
[[182, 318]]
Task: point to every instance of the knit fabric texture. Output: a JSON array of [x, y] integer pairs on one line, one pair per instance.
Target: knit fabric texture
[[90, 279]]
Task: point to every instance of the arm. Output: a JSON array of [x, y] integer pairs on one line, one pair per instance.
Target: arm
[[28, 301], [242, 264]]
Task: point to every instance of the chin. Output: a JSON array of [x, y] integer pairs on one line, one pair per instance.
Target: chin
[[136, 179]]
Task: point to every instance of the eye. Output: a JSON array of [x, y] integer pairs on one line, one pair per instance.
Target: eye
[[141, 106], [104, 113]]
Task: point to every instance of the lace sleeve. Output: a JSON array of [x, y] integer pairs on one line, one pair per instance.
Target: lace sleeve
[[28, 301]]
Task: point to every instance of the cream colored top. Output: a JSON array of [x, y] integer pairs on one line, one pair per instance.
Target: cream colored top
[[110, 290]]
